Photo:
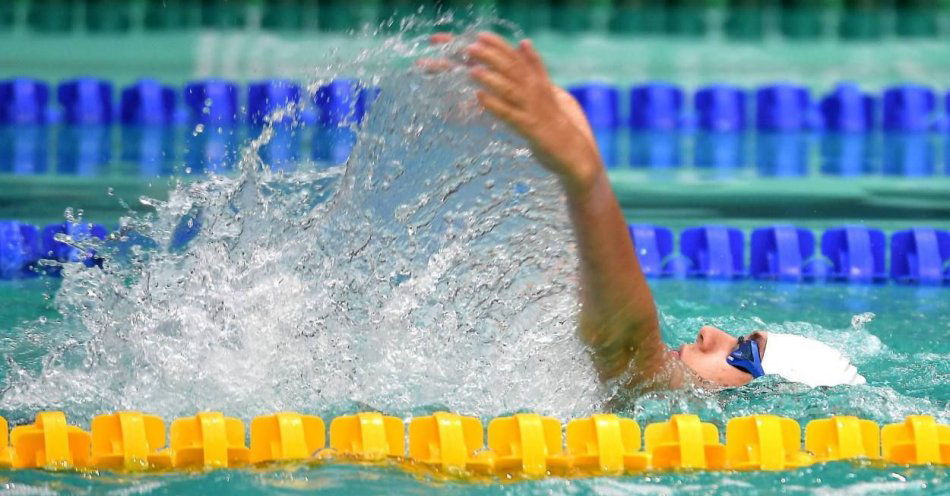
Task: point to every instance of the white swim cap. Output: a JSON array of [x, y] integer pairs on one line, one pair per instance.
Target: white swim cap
[[805, 360]]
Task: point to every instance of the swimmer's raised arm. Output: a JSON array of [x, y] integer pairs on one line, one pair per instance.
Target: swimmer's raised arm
[[618, 318]]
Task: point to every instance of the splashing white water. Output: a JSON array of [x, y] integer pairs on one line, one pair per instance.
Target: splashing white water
[[440, 271]]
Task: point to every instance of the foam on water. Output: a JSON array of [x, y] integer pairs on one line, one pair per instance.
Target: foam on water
[[440, 271]]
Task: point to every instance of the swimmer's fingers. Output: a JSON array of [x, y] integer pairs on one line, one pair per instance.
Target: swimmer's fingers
[[498, 85], [501, 109], [441, 38], [434, 65], [532, 57], [497, 42], [507, 64]]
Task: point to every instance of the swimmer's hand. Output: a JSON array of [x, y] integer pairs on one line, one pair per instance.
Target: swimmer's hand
[[516, 88], [618, 319]]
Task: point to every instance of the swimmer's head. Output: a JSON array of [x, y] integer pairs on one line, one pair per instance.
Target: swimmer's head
[[724, 360], [708, 356]]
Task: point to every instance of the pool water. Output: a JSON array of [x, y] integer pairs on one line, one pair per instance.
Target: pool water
[[902, 351], [435, 272]]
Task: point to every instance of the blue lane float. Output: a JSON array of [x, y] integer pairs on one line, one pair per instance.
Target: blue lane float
[[654, 247], [84, 143], [920, 256], [267, 97], [264, 100], [213, 111], [655, 117], [908, 116], [720, 108], [783, 115], [847, 117], [782, 107], [212, 101], [908, 108], [54, 249], [19, 249], [850, 254], [601, 104], [656, 106], [147, 110], [780, 252], [86, 101], [147, 102], [720, 140], [654, 132], [715, 252], [341, 105], [856, 254], [23, 101]]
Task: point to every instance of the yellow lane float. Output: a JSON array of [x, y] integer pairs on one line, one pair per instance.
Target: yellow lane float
[[50, 443], [129, 441], [208, 440], [918, 439], [843, 437], [685, 443], [606, 444], [368, 436], [765, 442], [523, 445], [445, 440], [286, 436]]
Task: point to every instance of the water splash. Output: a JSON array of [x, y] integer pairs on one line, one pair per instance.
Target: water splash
[[435, 268]]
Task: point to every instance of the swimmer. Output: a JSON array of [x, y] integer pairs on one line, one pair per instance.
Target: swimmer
[[618, 320]]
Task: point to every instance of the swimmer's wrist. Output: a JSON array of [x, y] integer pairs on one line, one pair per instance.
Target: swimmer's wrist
[[582, 179]]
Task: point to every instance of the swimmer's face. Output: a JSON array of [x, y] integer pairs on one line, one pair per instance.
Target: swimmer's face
[[707, 356]]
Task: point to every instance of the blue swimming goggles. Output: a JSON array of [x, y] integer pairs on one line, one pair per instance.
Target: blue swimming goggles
[[746, 357]]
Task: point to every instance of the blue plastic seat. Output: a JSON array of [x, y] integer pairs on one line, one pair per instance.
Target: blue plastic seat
[[909, 154], [654, 246], [782, 154], [23, 101], [600, 102], [856, 254], [86, 101], [266, 97], [848, 154], [721, 108], [19, 248], [212, 101], [62, 252], [782, 107], [339, 103], [715, 252], [147, 102], [919, 256], [908, 108], [848, 117], [725, 150], [656, 106], [780, 252], [847, 109]]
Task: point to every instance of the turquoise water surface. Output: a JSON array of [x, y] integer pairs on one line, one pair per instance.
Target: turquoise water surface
[[903, 351], [435, 271]]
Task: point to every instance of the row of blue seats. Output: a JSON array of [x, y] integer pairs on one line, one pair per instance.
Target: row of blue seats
[[778, 107], [653, 106], [161, 150], [89, 101], [854, 254], [88, 150]]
